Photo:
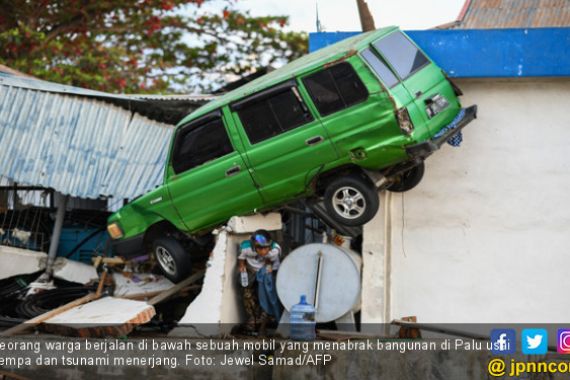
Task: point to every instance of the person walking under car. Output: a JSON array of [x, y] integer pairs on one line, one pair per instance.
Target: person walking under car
[[258, 261]]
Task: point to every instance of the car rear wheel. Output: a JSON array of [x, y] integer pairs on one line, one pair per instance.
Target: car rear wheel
[[351, 200], [408, 179], [172, 258]]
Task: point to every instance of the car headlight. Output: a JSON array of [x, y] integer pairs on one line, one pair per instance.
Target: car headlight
[[114, 231], [435, 105]]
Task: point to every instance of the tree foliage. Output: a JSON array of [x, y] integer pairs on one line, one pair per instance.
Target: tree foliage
[[141, 46]]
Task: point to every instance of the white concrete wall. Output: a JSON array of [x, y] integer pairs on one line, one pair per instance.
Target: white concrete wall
[[486, 236], [219, 306]]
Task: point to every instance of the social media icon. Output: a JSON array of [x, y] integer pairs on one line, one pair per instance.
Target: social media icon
[[563, 341], [534, 341], [503, 341]]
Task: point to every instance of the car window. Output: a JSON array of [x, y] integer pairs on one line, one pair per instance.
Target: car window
[[197, 144], [380, 68], [335, 88], [401, 53], [273, 114]]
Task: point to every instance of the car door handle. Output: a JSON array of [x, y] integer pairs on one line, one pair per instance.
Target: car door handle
[[233, 170], [314, 140]]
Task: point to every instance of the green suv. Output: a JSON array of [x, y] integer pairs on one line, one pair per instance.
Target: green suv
[[336, 125]]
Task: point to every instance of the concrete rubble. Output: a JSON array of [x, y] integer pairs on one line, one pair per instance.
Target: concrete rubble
[[17, 261]]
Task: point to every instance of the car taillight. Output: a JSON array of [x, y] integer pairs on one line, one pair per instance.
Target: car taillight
[[435, 105], [404, 120], [115, 231]]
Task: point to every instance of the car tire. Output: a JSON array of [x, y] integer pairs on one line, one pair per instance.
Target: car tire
[[408, 179], [351, 200], [172, 259]]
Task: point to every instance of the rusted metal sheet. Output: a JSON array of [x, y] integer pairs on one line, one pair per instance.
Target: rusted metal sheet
[[499, 14]]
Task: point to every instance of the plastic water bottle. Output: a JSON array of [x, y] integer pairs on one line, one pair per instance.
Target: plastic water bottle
[[302, 321], [244, 279]]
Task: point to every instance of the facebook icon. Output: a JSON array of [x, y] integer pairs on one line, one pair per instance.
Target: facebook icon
[[503, 341]]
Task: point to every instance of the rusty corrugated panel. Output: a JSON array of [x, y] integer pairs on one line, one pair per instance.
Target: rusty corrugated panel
[[497, 14], [79, 146]]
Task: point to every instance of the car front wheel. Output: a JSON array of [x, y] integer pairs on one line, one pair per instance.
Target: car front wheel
[[172, 258], [351, 200]]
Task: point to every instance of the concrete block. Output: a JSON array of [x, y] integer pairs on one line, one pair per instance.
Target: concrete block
[[145, 283], [16, 261], [216, 309], [249, 224], [74, 271]]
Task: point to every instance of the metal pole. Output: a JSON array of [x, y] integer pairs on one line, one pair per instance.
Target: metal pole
[[60, 215], [366, 18], [320, 262]]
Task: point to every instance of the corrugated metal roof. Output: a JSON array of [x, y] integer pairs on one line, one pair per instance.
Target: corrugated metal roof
[[163, 108], [195, 98], [79, 146], [499, 14]]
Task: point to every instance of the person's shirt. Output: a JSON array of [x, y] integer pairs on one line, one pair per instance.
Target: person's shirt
[[256, 261]]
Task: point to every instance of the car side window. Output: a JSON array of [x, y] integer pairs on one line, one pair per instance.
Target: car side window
[[380, 68], [401, 53], [335, 88], [199, 143], [268, 116]]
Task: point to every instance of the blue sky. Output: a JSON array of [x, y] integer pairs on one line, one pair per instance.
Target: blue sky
[[342, 15]]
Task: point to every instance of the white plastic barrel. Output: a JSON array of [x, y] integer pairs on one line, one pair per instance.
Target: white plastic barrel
[[337, 280]]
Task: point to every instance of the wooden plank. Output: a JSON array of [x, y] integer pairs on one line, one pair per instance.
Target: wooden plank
[[178, 287], [50, 314], [107, 316], [101, 284], [149, 295], [141, 296], [107, 260]]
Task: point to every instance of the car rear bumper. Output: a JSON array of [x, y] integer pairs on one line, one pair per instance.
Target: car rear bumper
[[424, 149]]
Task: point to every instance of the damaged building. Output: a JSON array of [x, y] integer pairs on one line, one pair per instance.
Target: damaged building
[[486, 230], [70, 157]]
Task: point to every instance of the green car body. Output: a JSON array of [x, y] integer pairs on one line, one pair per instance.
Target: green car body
[[383, 118]]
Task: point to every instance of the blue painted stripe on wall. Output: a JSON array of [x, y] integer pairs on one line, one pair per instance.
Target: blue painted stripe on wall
[[492, 53]]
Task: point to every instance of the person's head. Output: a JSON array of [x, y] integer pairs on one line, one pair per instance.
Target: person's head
[[261, 241]]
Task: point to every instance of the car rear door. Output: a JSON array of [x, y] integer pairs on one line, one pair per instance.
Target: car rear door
[[390, 80], [422, 79], [210, 180]]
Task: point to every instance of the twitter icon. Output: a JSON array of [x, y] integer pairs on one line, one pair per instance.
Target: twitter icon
[[534, 341]]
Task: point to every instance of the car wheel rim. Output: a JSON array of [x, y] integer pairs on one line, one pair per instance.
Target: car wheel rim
[[349, 202], [166, 260]]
